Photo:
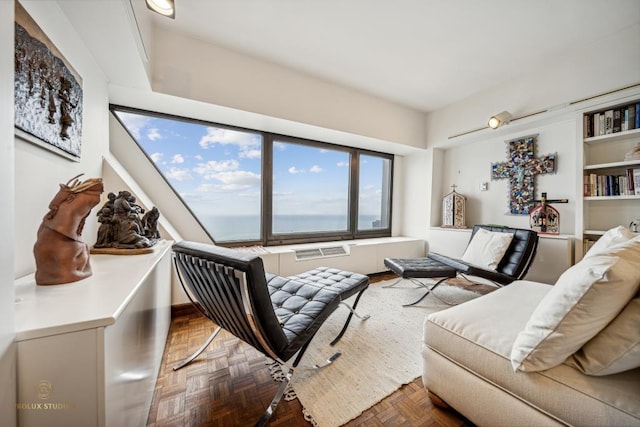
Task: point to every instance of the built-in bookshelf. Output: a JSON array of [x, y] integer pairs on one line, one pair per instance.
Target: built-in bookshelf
[[611, 169]]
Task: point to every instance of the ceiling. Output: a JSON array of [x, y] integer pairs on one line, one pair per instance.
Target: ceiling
[[424, 54]]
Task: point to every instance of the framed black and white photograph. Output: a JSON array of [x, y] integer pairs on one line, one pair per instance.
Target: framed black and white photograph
[[48, 91]]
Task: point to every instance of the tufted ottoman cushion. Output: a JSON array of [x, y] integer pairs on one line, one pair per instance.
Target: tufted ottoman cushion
[[298, 305], [413, 268], [343, 282]]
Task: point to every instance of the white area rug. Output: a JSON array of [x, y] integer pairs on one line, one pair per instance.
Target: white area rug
[[379, 355]]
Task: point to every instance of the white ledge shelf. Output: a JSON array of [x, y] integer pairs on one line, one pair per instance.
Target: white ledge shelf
[[93, 302], [621, 164], [612, 198], [612, 136]]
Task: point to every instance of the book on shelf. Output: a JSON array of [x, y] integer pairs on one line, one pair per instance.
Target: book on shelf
[[616, 121], [608, 122], [587, 129], [587, 244], [620, 119], [628, 184]]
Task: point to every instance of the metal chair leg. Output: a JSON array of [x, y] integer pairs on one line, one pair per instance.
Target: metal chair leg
[[197, 353], [351, 313], [429, 290], [398, 280], [276, 399]]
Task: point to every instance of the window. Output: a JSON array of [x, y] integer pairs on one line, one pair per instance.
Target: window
[[374, 201], [251, 187], [310, 189]]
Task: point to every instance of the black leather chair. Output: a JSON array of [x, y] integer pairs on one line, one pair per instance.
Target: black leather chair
[[276, 315], [513, 266]]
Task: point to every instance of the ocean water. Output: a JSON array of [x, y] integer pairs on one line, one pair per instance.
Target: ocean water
[[247, 227]]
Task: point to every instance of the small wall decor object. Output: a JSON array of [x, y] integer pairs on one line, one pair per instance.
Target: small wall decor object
[[453, 205], [521, 169], [544, 218], [122, 230], [47, 91], [61, 256]]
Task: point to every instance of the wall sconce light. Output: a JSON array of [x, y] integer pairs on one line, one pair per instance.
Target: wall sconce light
[[163, 7], [499, 119]]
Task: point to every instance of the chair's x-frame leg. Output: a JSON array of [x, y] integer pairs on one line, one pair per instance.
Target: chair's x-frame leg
[[429, 290], [352, 311], [197, 353]]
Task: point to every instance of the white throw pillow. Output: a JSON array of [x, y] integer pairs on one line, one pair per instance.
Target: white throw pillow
[[487, 248], [616, 348], [583, 301], [612, 237]]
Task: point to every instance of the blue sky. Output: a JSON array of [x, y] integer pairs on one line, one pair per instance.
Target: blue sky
[[218, 171]]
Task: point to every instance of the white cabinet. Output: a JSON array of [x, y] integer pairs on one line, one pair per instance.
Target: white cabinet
[[607, 202], [89, 351]]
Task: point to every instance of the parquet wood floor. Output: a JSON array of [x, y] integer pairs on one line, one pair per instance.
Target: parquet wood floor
[[229, 385]]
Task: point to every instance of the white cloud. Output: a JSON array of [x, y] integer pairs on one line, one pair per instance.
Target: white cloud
[[133, 122], [177, 158], [293, 170], [156, 157], [315, 169], [179, 174], [369, 187], [279, 145], [250, 154], [231, 181], [342, 164], [209, 169], [153, 134], [198, 157], [248, 143]]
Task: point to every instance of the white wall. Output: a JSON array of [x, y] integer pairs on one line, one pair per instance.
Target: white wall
[[466, 160], [7, 324], [224, 77], [570, 77], [469, 165], [37, 171]]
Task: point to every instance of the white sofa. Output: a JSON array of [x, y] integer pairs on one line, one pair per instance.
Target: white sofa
[[467, 364]]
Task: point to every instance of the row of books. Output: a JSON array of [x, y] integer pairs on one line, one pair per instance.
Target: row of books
[[612, 121], [613, 185]]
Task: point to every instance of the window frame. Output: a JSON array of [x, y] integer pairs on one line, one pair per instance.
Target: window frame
[[267, 238]]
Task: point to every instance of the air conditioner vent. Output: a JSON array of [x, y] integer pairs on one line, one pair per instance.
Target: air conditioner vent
[[333, 251], [329, 251], [308, 254]]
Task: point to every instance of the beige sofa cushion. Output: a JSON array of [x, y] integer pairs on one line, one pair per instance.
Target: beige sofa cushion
[[478, 335], [616, 348], [612, 237], [574, 311]]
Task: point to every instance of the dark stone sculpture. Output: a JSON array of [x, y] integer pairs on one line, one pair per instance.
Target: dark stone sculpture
[[121, 227], [61, 257]]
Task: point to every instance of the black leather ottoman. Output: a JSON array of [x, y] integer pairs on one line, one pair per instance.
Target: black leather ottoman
[[420, 268], [344, 283]]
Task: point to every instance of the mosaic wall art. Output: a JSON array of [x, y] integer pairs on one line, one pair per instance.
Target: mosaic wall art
[[521, 168]]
